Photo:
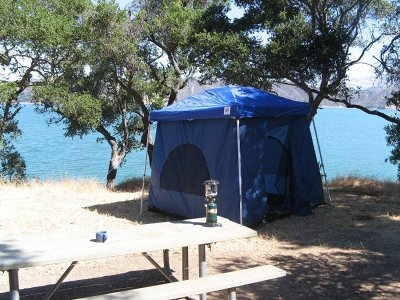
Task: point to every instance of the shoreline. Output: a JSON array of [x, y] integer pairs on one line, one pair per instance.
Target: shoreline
[[391, 107]]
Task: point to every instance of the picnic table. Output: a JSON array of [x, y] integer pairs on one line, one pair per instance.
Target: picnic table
[[33, 252]]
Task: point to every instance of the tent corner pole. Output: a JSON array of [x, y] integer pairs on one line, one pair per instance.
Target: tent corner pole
[[322, 164], [239, 170]]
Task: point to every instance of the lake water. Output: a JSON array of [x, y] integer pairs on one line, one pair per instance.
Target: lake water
[[50, 155], [352, 142]]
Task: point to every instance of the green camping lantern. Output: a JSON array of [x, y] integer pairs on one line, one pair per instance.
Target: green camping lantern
[[211, 192]]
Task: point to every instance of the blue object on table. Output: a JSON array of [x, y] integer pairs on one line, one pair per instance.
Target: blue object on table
[[101, 236]]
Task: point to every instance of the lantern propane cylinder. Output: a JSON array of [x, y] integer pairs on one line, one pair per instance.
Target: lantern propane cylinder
[[211, 192]]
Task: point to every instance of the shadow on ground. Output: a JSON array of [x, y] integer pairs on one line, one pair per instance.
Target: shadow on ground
[[130, 210], [349, 251], [94, 286], [331, 276]]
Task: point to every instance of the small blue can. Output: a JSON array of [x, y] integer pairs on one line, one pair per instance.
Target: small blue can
[[101, 236]]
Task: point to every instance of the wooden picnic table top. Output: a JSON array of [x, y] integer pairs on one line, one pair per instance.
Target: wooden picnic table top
[[15, 254]]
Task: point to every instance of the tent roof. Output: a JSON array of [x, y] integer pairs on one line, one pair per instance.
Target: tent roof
[[230, 102]]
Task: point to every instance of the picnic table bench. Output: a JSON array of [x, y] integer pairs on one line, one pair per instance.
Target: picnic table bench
[[226, 281], [141, 239]]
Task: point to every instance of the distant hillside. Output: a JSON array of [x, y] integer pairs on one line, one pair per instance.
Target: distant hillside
[[193, 87], [26, 96], [373, 97]]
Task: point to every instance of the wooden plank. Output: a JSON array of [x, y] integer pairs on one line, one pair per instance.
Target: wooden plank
[[138, 239], [197, 286]]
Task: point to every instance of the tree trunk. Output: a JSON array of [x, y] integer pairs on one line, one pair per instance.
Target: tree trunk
[[150, 149], [111, 175], [115, 162], [116, 156], [147, 141], [113, 166], [173, 95]]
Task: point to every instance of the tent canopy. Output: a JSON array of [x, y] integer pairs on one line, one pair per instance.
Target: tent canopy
[[257, 145], [230, 102]]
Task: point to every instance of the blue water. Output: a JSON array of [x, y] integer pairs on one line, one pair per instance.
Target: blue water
[[352, 142], [50, 155]]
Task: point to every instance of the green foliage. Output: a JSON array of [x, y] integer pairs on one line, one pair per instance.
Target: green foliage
[[393, 133], [105, 84], [33, 35], [203, 40], [390, 52], [8, 124], [81, 113], [42, 23], [390, 69], [231, 58], [307, 43], [12, 165], [103, 69], [88, 94], [173, 24], [168, 29]]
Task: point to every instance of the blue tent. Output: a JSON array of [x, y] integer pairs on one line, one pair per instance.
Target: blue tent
[[256, 144]]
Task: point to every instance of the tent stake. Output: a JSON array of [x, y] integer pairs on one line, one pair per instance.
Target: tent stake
[[144, 172], [322, 164], [239, 169]]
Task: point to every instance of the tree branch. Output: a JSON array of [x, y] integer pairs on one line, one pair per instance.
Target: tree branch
[[171, 57], [366, 48], [366, 110], [124, 143], [104, 132]]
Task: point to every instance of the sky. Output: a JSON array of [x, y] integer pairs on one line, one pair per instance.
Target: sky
[[123, 3], [359, 75], [363, 74]]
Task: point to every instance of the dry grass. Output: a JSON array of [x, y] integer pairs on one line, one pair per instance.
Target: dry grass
[[49, 207], [132, 185], [77, 185], [366, 186], [67, 184], [348, 251]]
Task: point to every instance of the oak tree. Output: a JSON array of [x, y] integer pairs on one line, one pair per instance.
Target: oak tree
[[32, 35], [390, 69]]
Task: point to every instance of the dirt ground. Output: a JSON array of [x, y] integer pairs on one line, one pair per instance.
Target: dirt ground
[[348, 251]]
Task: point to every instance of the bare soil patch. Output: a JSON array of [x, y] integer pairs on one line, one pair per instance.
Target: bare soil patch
[[348, 251]]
